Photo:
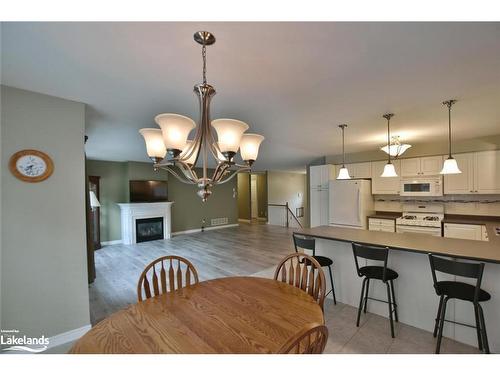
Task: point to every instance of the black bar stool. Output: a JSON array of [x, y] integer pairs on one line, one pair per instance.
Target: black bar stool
[[447, 290], [309, 243], [386, 275]]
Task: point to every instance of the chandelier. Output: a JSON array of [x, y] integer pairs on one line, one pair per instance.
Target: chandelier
[[396, 148], [169, 147]]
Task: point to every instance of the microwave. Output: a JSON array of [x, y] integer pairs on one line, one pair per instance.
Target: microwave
[[422, 187]]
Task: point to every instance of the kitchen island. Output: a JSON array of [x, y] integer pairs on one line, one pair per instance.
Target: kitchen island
[[415, 295]]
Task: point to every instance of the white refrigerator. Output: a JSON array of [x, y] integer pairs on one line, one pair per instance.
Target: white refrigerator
[[351, 202]]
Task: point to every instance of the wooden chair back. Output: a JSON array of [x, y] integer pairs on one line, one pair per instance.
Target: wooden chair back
[[309, 340], [166, 274], [304, 272]]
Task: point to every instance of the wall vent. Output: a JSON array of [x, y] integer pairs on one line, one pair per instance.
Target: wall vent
[[219, 221]]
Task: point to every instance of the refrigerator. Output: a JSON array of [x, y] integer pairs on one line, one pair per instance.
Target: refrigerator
[[351, 201]]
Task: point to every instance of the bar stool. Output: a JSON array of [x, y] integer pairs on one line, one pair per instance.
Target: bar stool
[[309, 243], [386, 275], [447, 290]]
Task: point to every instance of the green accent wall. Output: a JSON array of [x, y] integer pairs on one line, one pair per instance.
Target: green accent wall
[[188, 211]]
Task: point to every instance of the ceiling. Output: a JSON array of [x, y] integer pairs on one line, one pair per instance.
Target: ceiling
[[292, 82]]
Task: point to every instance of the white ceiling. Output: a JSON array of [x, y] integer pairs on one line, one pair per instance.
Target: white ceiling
[[291, 82]]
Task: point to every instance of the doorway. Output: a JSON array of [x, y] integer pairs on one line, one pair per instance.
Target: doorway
[[252, 197], [95, 213]]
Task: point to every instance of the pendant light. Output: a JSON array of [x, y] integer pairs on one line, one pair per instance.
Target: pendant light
[[343, 172], [450, 165], [389, 170]]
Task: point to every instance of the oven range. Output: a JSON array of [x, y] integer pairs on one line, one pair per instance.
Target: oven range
[[421, 218]]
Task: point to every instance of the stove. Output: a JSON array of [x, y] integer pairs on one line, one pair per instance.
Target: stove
[[421, 218]]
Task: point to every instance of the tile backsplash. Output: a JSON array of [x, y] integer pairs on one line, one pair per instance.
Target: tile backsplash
[[486, 205]]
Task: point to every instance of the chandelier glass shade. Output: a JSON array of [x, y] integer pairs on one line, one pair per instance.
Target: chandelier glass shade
[[396, 148], [218, 141]]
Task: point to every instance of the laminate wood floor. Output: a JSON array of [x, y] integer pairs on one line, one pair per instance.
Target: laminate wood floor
[[242, 251], [236, 251]]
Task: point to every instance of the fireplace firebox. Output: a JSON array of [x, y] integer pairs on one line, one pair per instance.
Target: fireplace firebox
[[149, 229]]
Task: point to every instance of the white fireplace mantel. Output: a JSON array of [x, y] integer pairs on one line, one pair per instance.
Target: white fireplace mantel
[[130, 212]]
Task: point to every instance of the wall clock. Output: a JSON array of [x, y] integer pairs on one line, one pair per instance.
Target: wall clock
[[31, 165]]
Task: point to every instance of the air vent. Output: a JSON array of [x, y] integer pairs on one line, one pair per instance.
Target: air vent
[[219, 221]]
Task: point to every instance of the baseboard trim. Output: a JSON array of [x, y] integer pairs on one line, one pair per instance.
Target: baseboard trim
[[197, 230], [108, 243], [68, 336]]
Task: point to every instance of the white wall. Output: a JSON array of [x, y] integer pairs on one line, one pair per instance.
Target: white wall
[[285, 187], [43, 262]]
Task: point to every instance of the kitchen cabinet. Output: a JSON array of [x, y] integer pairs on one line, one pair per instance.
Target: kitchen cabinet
[[382, 225], [425, 166], [385, 185], [480, 174], [464, 231], [319, 177], [487, 172], [356, 170]]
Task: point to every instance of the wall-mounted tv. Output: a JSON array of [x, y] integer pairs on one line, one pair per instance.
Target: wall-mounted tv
[[148, 191]]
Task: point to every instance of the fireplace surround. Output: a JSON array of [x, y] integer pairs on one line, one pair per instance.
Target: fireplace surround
[[133, 212]]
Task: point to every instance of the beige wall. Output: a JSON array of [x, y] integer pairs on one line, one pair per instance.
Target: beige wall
[[285, 187], [44, 262]]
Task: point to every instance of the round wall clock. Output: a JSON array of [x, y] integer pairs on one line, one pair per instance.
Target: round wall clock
[[31, 165]]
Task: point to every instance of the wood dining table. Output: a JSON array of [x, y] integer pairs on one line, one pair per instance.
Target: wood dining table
[[226, 315]]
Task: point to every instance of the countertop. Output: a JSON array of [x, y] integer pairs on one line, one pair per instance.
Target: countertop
[[388, 215], [486, 251]]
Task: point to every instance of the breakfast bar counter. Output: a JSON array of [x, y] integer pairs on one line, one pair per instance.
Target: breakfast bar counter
[[415, 295]]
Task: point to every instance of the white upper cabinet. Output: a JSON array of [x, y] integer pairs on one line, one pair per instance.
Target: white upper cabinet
[[480, 174], [320, 175], [462, 183], [487, 172], [357, 170], [385, 185], [425, 166]]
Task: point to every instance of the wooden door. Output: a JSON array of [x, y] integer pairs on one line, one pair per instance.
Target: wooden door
[[95, 213]]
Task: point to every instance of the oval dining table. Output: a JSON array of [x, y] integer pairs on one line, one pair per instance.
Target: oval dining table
[[226, 315]]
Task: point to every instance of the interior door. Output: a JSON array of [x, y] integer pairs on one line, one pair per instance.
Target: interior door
[[253, 197], [344, 203]]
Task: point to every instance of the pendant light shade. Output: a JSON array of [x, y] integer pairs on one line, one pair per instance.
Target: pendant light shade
[[450, 165], [389, 170], [343, 172]]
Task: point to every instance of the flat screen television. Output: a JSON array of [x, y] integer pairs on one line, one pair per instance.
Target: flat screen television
[[148, 191]]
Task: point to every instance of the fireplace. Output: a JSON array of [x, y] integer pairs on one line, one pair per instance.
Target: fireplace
[[149, 229]]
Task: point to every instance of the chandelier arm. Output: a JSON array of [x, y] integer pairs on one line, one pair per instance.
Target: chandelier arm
[[235, 172], [176, 175], [188, 171], [220, 170]]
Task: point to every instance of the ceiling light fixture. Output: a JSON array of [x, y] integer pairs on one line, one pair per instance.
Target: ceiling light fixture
[[183, 154], [450, 165], [389, 170], [396, 148], [343, 172]]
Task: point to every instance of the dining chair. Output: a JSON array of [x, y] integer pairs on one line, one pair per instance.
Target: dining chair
[[304, 272], [309, 340], [164, 275]]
